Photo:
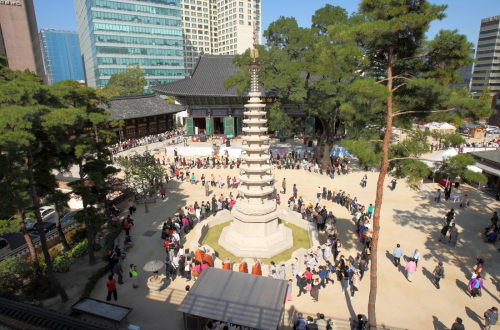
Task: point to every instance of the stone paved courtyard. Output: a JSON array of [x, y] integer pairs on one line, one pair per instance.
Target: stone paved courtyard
[[408, 218]]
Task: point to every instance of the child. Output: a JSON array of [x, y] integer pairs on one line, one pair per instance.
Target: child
[[289, 291], [187, 289], [278, 199]]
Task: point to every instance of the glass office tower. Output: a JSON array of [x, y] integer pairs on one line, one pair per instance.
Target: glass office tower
[[117, 33], [61, 55]]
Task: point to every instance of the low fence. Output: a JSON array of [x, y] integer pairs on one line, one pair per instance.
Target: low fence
[[51, 235]]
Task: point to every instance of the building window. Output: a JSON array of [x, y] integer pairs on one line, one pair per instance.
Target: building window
[[130, 133]]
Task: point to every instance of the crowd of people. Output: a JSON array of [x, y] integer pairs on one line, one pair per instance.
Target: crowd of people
[[322, 265], [146, 140]]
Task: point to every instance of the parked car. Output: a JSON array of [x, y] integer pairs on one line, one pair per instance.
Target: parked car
[[48, 224], [490, 128], [45, 211], [68, 217], [4, 247], [463, 130], [495, 132]]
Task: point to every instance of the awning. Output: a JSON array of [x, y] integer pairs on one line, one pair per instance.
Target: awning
[[488, 169], [243, 299]]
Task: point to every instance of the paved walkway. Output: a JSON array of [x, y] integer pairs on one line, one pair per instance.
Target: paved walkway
[[408, 217]]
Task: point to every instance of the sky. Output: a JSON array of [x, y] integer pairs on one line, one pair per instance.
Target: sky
[[463, 15]]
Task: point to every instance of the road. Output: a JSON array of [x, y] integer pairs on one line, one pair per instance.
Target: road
[[16, 239]]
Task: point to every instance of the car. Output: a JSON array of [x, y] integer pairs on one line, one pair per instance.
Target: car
[[45, 211], [4, 247], [490, 128], [48, 224], [495, 132], [68, 217], [463, 130]]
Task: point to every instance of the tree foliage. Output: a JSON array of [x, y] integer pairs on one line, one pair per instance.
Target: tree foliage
[[143, 174], [305, 70], [31, 150], [129, 82], [407, 77]]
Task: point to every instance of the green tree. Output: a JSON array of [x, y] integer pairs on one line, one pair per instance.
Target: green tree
[[82, 112], [60, 202], [407, 77], [452, 167], [24, 103], [129, 82], [143, 174], [486, 95], [306, 70]]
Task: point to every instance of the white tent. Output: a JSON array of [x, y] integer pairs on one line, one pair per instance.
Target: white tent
[[439, 156], [447, 153], [441, 127]]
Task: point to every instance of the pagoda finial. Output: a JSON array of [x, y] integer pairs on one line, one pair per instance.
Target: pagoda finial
[[254, 52]]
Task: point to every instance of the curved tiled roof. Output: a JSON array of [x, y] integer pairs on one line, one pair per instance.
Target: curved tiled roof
[[207, 78], [136, 106], [44, 318]]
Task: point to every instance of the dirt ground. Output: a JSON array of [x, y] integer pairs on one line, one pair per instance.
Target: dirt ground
[[74, 282]]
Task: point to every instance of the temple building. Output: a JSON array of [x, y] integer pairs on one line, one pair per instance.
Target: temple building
[[213, 109], [142, 115]]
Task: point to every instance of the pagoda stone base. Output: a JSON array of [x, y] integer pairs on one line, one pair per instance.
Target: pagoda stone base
[[256, 244]]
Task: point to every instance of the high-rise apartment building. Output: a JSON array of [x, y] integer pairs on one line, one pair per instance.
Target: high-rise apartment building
[[487, 66], [61, 55], [222, 27], [19, 36], [117, 33]]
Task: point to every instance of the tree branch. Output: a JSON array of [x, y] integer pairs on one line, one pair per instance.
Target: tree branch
[[411, 57], [415, 158], [395, 77], [404, 112], [397, 87]]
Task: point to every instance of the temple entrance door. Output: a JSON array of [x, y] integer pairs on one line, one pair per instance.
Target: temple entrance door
[[239, 125], [229, 127], [218, 125]]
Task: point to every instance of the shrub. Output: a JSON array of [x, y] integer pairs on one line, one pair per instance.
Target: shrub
[[62, 263], [40, 289], [36, 303], [77, 236], [78, 250], [110, 238], [13, 272], [92, 280]]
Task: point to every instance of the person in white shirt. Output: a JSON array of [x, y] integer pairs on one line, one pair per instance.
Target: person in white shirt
[[416, 255]]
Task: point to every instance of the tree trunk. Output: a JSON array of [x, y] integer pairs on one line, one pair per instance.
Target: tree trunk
[[88, 230], [28, 240], [64, 242], [372, 299], [146, 210], [321, 140], [36, 205]]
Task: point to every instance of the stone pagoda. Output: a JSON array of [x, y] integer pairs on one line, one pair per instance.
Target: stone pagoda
[[255, 231]]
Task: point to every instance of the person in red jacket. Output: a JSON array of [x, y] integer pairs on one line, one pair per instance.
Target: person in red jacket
[[111, 284]]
